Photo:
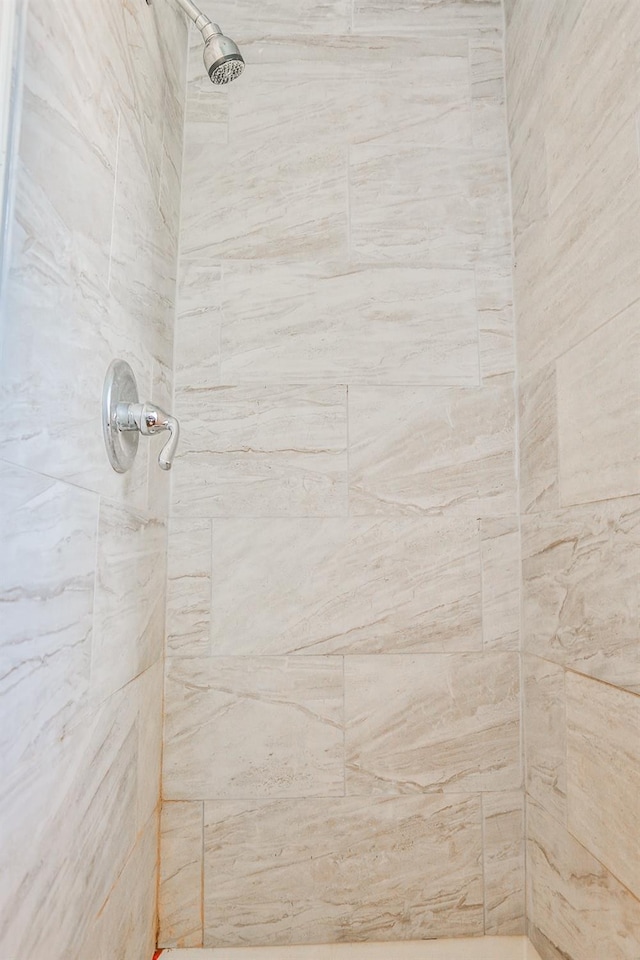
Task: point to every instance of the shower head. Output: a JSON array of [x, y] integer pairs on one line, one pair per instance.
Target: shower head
[[222, 59]]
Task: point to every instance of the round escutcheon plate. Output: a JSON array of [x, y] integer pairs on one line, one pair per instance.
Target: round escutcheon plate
[[119, 387]]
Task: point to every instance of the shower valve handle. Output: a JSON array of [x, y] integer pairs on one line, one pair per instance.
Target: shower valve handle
[[150, 419]]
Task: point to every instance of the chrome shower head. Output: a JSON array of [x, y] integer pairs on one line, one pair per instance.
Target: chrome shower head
[[222, 59]]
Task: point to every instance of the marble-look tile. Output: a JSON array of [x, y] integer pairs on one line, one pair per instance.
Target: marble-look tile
[[125, 926], [598, 384], [335, 95], [158, 480], [386, 585], [593, 91], [578, 906], [259, 727], [261, 451], [46, 597], [545, 735], [432, 451], [198, 324], [288, 202], [280, 17], [494, 302], [579, 267], [538, 441], [528, 158], [68, 825], [180, 882], [503, 837], [148, 691], [458, 948], [206, 110], [500, 551], [581, 594], [189, 588], [128, 622], [349, 323], [456, 17], [432, 722], [488, 109], [342, 869], [603, 775], [420, 204]]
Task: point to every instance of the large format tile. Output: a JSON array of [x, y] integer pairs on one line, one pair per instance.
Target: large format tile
[[603, 775], [432, 450], [180, 879], [277, 17], [545, 735], [598, 384], [500, 550], [188, 588], [261, 451], [46, 588], [538, 441], [128, 626], [348, 323], [457, 18], [326, 870], [419, 204], [330, 91], [288, 202], [503, 843], [345, 586], [197, 324], [458, 948], [436, 722], [580, 908], [581, 594], [259, 727], [494, 302]]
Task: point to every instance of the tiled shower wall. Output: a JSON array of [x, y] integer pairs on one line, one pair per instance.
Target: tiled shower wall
[[573, 72], [342, 747], [82, 571]]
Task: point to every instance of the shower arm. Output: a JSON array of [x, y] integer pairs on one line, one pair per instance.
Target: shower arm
[[201, 20]]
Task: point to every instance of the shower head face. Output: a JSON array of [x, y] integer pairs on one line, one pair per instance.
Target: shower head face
[[222, 59]]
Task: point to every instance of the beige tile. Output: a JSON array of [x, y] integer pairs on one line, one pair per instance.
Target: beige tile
[[289, 202], [436, 722], [261, 451], [345, 586], [545, 735], [332, 93], [593, 91], [198, 324], [189, 588], [460, 17], [326, 870], [349, 323], [500, 550], [128, 622], [538, 441], [503, 838], [278, 17], [488, 109], [259, 727], [147, 695], [459, 948], [494, 301], [574, 901], [579, 268], [599, 413], [420, 204], [581, 594], [603, 775], [180, 881], [46, 588], [432, 451]]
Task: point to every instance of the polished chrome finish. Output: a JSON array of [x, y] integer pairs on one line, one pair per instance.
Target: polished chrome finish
[[222, 58], [119, 387], [124, 418]]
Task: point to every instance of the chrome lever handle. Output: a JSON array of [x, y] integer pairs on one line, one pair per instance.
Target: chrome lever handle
[[150, 419]]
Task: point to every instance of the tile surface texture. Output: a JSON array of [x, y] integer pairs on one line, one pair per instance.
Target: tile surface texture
[[343, 610], [91, 277], [573, 98], [460, 948]]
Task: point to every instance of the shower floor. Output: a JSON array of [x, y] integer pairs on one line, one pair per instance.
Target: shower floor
[[477, 948]]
